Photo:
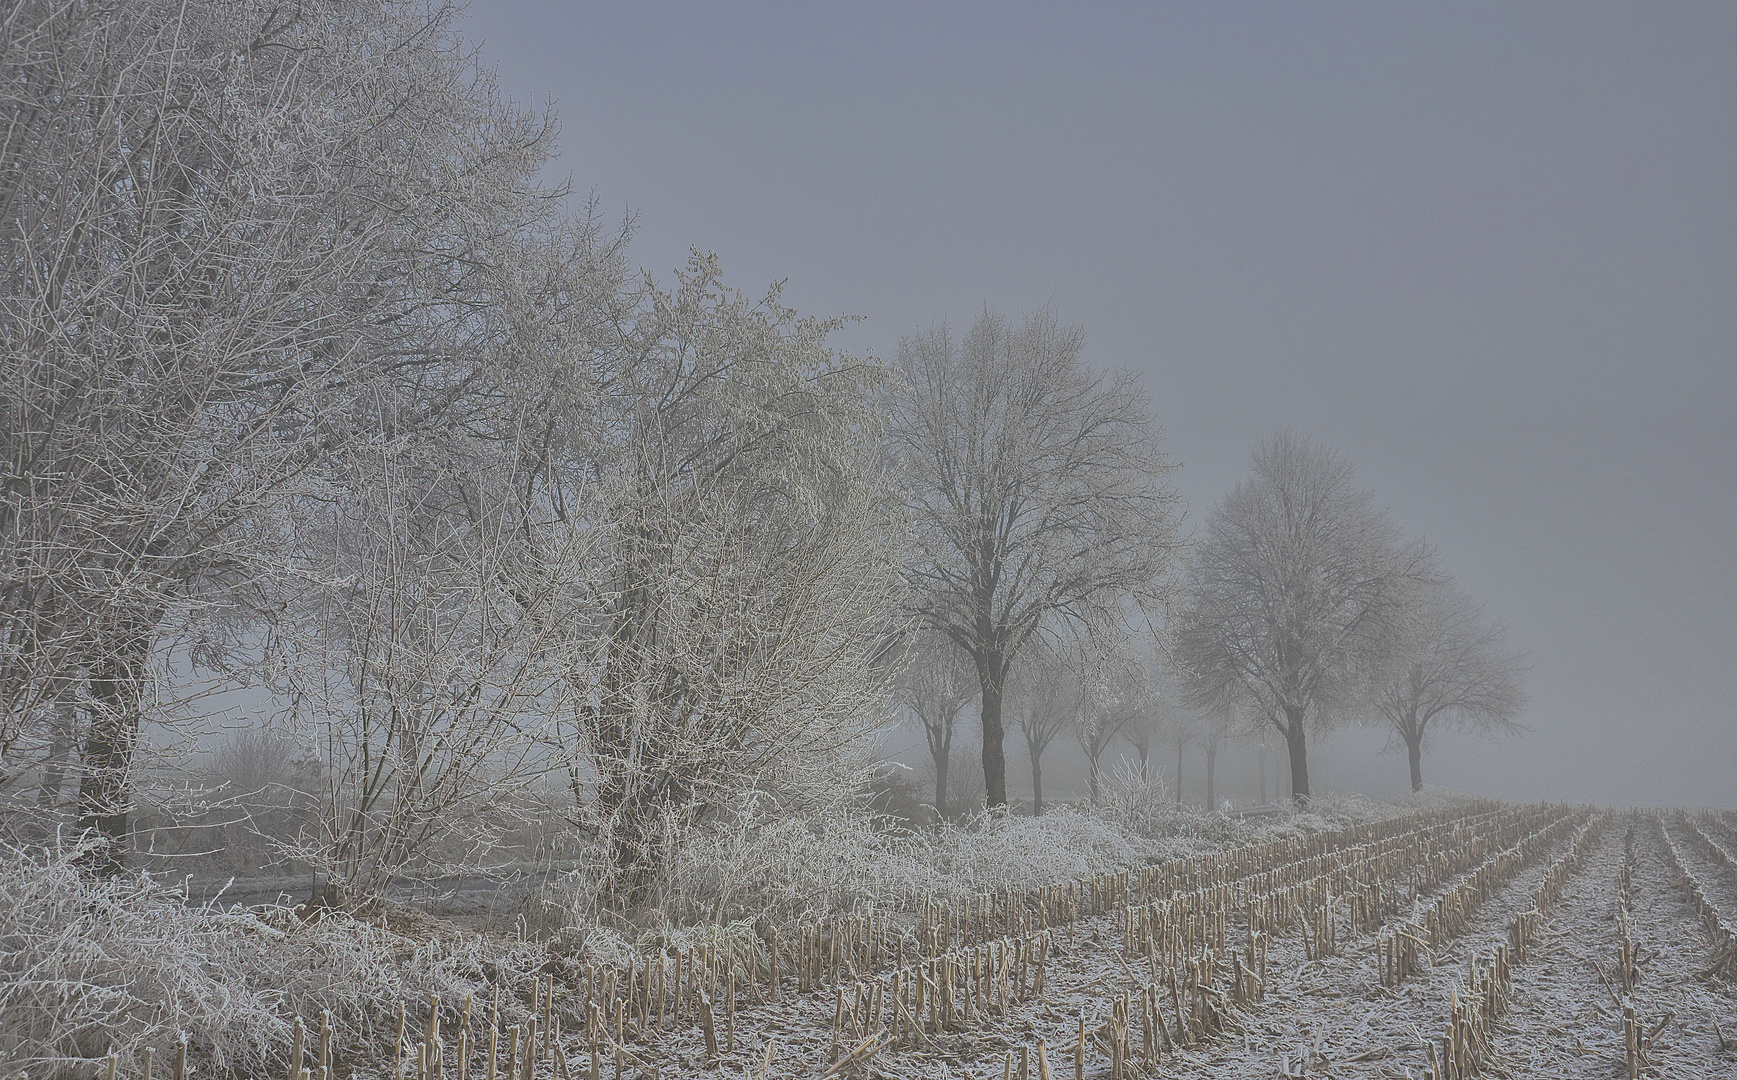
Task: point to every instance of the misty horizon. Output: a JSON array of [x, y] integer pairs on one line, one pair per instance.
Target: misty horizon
[[1486, 252], [892, 541]]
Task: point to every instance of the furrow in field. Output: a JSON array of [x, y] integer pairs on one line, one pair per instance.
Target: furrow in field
[[1673, 951], [1710, 857], [1564, 1014], [1334, 1013]]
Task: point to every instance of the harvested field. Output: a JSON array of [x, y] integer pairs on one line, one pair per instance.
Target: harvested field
[[1483, 940], [906, 541]]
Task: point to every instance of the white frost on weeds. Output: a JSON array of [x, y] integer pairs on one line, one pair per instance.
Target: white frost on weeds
[[89, 965]]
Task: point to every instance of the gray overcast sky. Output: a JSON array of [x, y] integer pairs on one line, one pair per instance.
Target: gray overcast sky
[[1489, 251]]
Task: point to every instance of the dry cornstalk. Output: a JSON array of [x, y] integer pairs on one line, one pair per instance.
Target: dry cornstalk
[[864, 1050]]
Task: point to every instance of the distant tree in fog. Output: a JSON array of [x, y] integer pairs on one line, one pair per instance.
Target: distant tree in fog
[[1214, 728], [1038, 495], [1179, 732], [1298, 595], [936, 685], [1112, 697], [1045, 701], [1458, 674], [1163, 706], [1140, 733], [264, 786]]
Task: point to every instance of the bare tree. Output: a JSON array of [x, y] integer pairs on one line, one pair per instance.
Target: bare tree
[[937, 686], [1297, 595], [1459, 673], [1214, 728], [423, 659], [1180, 732], [1112, 698], [1038, 495], [1164, 714], [224, 227], [1045, 700], [1261, 741], [1142, 732], [746, 546]]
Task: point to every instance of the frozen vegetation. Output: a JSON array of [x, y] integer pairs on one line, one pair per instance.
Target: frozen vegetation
[[123, 963], [431, 646]]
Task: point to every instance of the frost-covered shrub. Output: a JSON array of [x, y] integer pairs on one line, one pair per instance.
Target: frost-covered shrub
[[763, 861], [999, 851], [89, 965], [1147, 807]]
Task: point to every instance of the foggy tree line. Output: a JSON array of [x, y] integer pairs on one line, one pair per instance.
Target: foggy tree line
[[314, 387], [1299, 607]]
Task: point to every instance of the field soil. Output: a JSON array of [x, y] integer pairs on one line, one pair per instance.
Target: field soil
[[1331, 1016]]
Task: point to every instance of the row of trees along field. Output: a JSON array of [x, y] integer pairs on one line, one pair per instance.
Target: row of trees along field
[[1299, 607], [314, 388]]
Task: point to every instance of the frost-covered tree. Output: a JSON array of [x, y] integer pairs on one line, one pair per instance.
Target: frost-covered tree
[[1045, 701], [1459, 673], [1261, 741], [936, 686], [238, 241], [1167, 717], [1298, 595], [1213, 729], [1112, 697], [1038, 496], [1142, 733], [422, 659], [744, 542]]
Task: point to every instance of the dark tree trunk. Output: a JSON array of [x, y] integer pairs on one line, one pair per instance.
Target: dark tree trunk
[[1179, 774], [1294, 740], [104, 795], [940, 740], [1145, 752], [638, 818], [1037, 783], [1092, 779], [1211, 775], [1414, 751], [1263, 772], [991, 669], [62, 739]]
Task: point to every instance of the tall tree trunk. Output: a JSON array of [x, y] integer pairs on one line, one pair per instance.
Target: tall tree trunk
[[104, 791], [626, 804], [1037, 783], [1294, 741], [636, 854], [1179, 774], [1414, 751], [1092, 779], [62, 738], [639, 812], [943, 761], [1263, 771], [1145, 752], [991, 670], [1211, 778]]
